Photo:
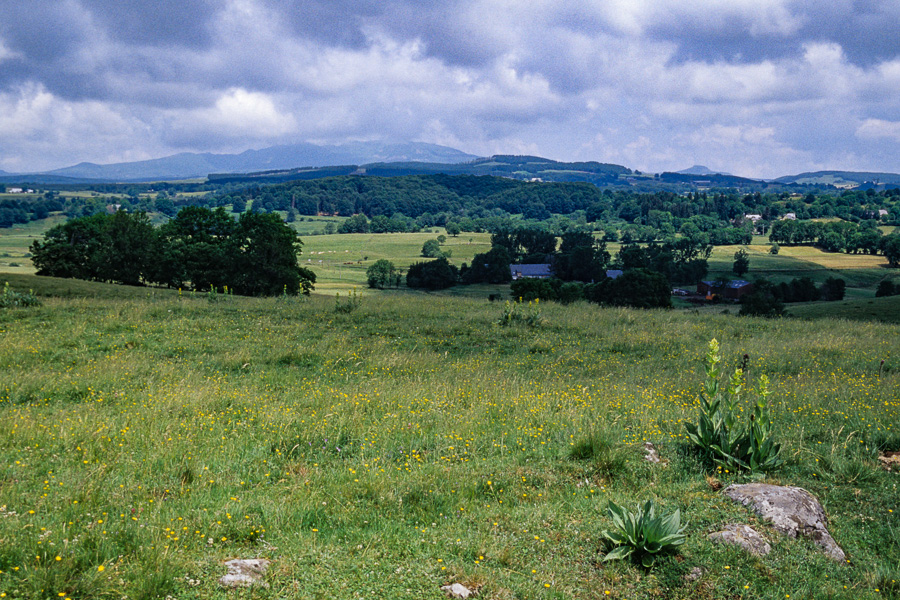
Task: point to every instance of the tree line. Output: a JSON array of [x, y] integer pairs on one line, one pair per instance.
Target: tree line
[[198, 249], [838, 236], [578, 262]]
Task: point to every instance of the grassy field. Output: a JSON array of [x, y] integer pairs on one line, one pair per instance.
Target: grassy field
[[413, 442], [15, 241], [340, 261]]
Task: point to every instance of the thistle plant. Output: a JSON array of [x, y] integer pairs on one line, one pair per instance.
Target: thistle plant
[[642, 536], [723, 439]]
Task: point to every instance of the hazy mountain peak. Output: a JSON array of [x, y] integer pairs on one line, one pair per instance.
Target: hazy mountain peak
[[701, 170]]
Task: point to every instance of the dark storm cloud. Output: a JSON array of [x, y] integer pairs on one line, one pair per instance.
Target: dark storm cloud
[[866, 30], [339, 22], [180, 23], [42, 30]]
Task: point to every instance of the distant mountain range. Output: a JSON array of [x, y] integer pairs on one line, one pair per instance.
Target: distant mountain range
[[192, 165], [312, 161], [523, 168]]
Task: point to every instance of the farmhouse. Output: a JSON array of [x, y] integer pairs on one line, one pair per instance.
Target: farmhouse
[[536, 271], [733, 290]]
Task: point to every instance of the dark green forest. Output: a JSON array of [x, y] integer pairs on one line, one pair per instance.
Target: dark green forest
[[199, 249]]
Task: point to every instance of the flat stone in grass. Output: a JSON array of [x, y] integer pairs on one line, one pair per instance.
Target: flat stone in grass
[[245, 572], [744, 537], [457, 590], [791, 510]]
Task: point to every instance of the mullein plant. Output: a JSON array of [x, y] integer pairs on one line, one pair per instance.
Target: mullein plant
[[727, 442], [642, 536]]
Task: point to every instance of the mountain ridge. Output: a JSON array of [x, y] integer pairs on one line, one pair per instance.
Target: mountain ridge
[[189, 165]]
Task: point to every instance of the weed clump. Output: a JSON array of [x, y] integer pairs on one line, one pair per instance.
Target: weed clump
[[353, 301], [12, 299], [513, 314]]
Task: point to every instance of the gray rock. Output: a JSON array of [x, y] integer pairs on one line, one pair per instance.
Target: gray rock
[[652, 454], [793, 511], [457, 590], [744, 537], [245, 572]]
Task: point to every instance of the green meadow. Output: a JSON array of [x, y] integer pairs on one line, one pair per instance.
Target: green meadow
[[409, 441], [388, 443]]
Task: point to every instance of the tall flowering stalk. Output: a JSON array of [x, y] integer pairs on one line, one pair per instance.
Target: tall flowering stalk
[[726, 441]]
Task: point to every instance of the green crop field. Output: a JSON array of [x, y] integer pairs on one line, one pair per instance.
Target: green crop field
[[409, 442]]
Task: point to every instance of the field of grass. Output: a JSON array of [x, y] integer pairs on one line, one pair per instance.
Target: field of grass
[[413, 442], [15, 242], [886, 310], [861, 272], [340, 261]]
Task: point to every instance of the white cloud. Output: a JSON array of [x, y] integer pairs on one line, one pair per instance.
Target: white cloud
[[5, 53], [873, 129], [45, 129], [652, 84], [634, 17]]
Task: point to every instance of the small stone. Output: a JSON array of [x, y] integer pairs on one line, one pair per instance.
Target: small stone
[[695, 574], [791, 510], [457, 590], [744, 537], [245, 572]]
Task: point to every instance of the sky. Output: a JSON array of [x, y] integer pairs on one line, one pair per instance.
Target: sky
[[759, 88]]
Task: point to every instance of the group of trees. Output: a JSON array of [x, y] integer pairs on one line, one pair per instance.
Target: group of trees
[[887, 288], [834, 236], [768, 299], [578, 262], [16, 211], [199, 249], [637, 288]]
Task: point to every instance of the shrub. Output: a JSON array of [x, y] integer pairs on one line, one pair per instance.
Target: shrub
[[383, 274], [642, 536], [833, 289], [435, 275], [527, 289], [432, 249], [887, 288], [722, 438]]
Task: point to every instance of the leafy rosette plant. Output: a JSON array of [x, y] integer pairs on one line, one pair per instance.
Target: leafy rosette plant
[[642, 535]]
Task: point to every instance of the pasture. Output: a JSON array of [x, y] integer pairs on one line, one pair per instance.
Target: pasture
[[412, 442]]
